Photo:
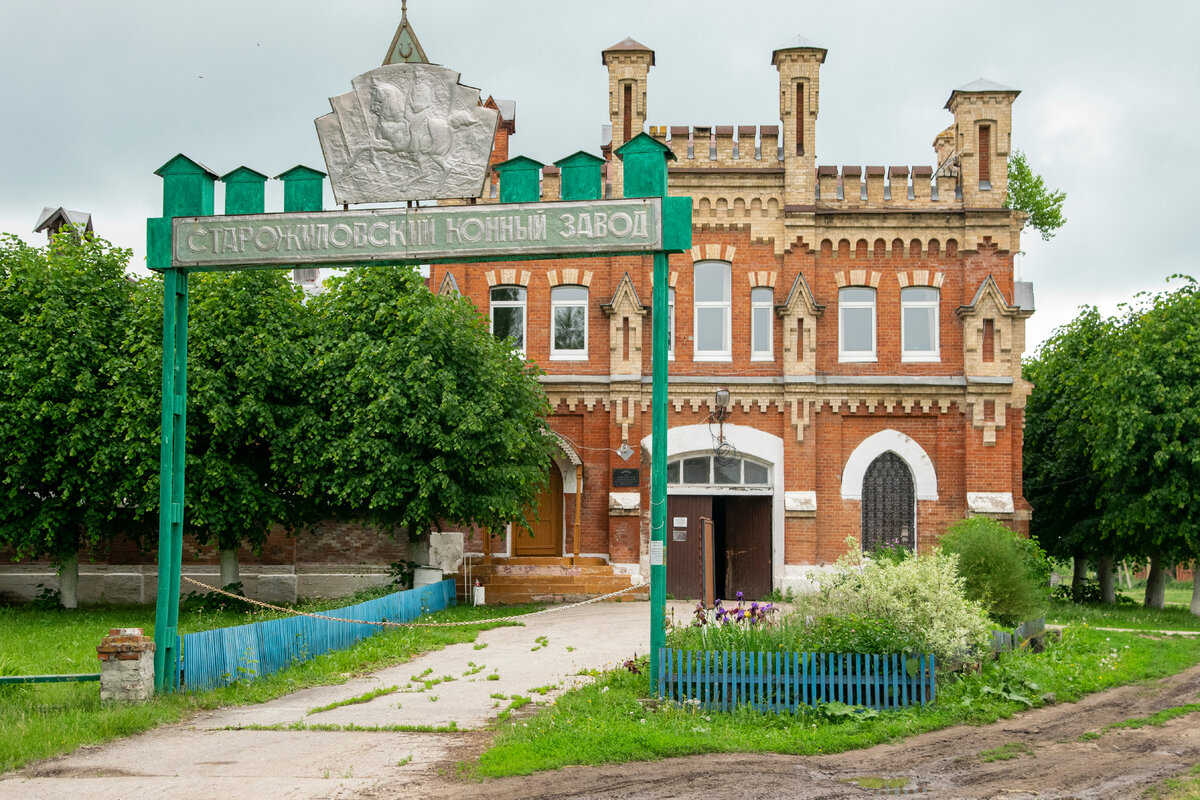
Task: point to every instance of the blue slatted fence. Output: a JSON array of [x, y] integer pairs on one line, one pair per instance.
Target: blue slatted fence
[[218, 657], [778, 682]]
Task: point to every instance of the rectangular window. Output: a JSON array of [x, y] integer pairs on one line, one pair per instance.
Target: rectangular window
[[985, 157], [671, 325], [988, 346], [856, 324], [799, 119], [762, 332], [628, 113], [696, 470], [712, 317], [919, 324], [568, 323], [508, 315]]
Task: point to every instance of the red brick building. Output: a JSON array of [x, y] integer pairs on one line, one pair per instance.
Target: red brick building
[[865, 322]]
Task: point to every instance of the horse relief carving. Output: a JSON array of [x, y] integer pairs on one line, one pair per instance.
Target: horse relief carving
[[407, 132]]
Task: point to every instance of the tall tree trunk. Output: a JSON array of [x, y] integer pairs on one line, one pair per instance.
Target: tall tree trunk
[[1079, 575], [1196, 591], [229, 567], [1104, 571], [1156, 583], [68, 582]]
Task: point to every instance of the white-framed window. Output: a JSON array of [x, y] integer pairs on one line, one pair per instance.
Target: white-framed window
[[670, 324], [856, 324], [919, 324], [508, 315], [568, 323], [708, 470], [762, 332], [712, 323]]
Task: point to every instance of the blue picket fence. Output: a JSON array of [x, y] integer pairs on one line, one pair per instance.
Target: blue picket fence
[[218, 657], [781, 682]]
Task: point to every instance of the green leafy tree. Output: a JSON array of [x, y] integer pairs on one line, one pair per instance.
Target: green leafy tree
[[1146, 440], [1060, 482], [1027, 192], [419, 415], [63, 312], [248, 339]]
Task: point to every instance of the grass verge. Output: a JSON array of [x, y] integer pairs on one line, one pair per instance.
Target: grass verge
[[1136, 617], [44, 720], [609, 722]]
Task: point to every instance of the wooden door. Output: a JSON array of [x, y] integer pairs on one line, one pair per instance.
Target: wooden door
[[748, 546], [683, 544], [546, 521]]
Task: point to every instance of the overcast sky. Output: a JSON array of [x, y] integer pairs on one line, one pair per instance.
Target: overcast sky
[[96, 96]]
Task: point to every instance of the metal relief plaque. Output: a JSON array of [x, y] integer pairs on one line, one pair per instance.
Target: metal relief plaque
[[625, 477], [407, 132]]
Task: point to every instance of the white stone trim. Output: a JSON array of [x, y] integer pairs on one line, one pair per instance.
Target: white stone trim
[[624, 502], [990, 502], [758, 445], [799, 501], [924, 475]]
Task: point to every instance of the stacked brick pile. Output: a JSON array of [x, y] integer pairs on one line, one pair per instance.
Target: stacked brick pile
[[126, 665]]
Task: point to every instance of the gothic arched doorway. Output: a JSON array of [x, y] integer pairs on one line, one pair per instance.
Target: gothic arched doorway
[[889, 505]]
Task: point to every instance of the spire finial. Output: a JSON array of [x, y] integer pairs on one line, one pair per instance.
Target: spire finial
[[403, 9]]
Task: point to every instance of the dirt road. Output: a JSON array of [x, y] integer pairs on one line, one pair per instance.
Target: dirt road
[[1053, 763]]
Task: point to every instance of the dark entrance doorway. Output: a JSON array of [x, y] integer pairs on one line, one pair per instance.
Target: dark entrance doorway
[[889, 506], [741, 545], [546, 521]]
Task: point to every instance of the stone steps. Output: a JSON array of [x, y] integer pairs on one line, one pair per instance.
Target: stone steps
[[550, 580]]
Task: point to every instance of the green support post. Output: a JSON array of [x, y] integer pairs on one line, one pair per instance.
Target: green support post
[[303, 188], [520, 180], [187, 192], [646, 176], [245, 191], [582, 178]]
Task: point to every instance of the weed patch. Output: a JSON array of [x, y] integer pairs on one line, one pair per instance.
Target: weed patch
[[366, 697], [1005, 752]]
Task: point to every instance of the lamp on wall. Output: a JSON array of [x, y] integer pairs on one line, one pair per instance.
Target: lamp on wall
[[721, 411]]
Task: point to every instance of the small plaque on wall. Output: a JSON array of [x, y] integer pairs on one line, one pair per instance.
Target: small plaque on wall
[[626, 477]]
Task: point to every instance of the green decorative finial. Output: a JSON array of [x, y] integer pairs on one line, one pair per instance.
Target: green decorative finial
[[405, 48]]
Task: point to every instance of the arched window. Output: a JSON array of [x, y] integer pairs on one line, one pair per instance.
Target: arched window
[[889, 504], [508, 315]]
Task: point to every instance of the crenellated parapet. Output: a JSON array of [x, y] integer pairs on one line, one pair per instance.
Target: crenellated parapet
[[721, 146]]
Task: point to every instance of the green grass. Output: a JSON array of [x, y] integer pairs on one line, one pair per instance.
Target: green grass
[[365, 697], [1156, 720], [1005, 752], [1173, 596], [44, 720], [608, 722], [1181, 787], [1137, 617]]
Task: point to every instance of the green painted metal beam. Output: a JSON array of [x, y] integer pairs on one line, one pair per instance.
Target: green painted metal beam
[[81, 677], [645, 162]]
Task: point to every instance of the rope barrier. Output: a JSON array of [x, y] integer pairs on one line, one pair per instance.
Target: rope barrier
[[387, 623]]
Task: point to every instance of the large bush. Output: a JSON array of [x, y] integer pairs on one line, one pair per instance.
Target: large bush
[[1000, 569], [921, 599]]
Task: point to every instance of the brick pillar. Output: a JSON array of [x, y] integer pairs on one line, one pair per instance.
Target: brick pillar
[[126, 665]]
